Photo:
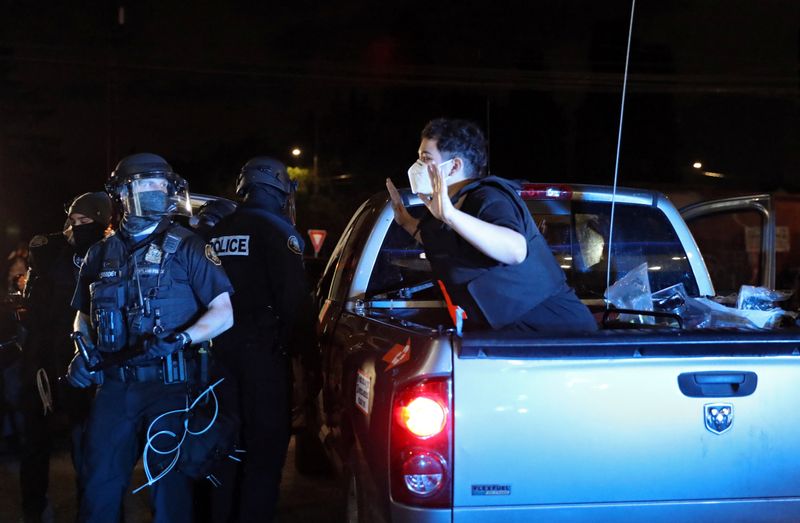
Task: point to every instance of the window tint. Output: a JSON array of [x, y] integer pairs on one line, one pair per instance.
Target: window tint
[[579, 241], [351, 253]]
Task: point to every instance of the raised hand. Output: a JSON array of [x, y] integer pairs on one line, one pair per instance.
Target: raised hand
[[438, 203], [401, 215]]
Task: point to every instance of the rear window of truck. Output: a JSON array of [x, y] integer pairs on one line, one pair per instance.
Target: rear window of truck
[[579, 241]]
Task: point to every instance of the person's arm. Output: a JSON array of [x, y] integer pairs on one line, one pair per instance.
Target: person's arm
[[495, 241], [82, 324], [77, 373], [217, 319]]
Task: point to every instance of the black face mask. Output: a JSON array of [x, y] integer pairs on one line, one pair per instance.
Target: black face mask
[[153, 201], [134, 225], [84, 236]]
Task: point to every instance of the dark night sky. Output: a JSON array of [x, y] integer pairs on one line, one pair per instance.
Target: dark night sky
[[209, 86]]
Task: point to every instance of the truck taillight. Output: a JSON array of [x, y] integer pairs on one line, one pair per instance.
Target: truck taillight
[[420, 458], [538, 191], [423, 416]]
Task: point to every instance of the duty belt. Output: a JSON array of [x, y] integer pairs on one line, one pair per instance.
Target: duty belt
[[174, 368]]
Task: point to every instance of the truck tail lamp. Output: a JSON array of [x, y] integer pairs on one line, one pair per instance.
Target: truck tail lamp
[[420, 448], [424, 416]]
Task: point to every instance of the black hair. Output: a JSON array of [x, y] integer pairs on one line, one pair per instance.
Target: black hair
[[460, 138]]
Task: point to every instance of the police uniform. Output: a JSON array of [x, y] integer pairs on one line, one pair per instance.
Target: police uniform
[[134, 290], [53, 271], [529, 296], [262, 254]]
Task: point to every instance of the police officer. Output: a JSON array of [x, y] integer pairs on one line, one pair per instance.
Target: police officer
[[154, 289], [480, 238], [263, 255], [54, 262]]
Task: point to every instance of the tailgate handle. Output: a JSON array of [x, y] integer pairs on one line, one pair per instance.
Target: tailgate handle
[[717, 384]]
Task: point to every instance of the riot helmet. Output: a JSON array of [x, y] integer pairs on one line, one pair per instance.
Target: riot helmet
[[264, 170], [146, 186], [270, 174]]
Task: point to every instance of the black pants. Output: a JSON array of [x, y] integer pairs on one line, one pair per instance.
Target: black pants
[[120, 417], [71, 409], [259, 387]]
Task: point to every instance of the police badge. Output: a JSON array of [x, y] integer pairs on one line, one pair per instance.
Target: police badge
[[212, 256], [153, 254]]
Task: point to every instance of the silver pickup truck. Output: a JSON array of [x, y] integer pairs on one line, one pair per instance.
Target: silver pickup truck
[[652, 423]]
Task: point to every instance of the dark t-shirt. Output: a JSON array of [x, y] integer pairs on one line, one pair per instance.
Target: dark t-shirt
[[492, 292], [454, 258]]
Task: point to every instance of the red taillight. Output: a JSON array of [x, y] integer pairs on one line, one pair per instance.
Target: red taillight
[[420, 448], [423, 416], [538, 191]]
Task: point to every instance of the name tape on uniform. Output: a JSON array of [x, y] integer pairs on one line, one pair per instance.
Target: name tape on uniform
[[232, 245]]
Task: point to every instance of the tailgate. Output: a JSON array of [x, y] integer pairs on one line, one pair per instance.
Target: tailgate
[[606, 421]]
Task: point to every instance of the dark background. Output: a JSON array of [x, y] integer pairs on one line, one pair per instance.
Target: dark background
[[209, 86]]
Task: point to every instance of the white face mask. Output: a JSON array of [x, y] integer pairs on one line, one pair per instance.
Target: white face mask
[[419, 178]]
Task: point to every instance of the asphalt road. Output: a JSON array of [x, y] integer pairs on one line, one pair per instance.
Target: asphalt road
[[303, 499]]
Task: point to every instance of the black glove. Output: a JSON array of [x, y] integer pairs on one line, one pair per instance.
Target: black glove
[[79, 376], [165, 345]]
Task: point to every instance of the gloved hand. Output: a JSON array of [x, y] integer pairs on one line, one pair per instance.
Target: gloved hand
[[79, 376], [166, 344]]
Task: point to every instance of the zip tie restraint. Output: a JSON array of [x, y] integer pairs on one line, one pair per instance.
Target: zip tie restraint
[[43, 386], [186, 431]]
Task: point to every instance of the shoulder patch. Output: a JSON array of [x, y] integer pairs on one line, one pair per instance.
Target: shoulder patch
[[294, 245], [38, 241], [212, 256]]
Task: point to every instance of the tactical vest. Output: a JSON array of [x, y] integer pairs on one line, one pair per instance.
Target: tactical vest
[[138, 294], [504, 293]]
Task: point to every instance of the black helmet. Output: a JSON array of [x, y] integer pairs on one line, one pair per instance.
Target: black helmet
[[94, 205], [146, 185], [263, 170]]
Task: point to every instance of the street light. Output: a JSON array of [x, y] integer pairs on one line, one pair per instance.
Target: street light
[[296, 152], [710, 174]]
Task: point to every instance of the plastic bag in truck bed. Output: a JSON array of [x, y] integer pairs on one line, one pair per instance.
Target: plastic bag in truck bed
[[756, 308]]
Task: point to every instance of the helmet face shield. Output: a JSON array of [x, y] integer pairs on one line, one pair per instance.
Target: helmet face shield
[[154, 194]]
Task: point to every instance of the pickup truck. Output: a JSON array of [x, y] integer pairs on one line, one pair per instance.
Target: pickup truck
[[651, 423]]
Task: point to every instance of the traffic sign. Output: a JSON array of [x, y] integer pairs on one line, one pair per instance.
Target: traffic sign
[[317, 238]]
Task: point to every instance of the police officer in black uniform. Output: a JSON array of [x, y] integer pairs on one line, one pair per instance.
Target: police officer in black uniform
[[481, 241], [153, 289], [54, 261], [263, 255]]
